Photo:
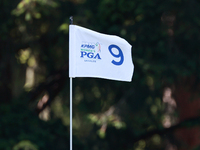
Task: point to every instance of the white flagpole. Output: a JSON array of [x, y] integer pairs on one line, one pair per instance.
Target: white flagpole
[[71, 22], [70, 113]]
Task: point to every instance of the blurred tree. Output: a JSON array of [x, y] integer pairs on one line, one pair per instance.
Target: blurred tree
[[152, 112]]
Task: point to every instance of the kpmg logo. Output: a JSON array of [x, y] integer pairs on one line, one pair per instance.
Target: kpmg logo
[[90, 51], [89, 46]]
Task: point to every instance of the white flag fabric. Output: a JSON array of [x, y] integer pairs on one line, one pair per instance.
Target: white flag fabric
[[93, 54]]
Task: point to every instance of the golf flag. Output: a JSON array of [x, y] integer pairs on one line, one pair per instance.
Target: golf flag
[[93, 54]]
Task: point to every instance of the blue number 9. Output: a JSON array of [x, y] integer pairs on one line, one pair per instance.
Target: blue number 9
[[120, 55]]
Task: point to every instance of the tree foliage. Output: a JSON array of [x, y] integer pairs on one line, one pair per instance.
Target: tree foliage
[[34, 84]]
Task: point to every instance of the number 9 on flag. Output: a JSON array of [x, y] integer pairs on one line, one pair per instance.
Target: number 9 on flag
[[120, 55], [98, 55]]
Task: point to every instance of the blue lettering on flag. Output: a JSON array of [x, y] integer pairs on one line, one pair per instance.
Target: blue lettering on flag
[[97, 56], [83, 53], [120, 55], [90, 55], [88, 46]]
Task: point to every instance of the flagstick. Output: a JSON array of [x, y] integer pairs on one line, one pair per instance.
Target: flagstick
[[70, 113], [71, 22]]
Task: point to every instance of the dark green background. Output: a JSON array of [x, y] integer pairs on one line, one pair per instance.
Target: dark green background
[[108, 115]]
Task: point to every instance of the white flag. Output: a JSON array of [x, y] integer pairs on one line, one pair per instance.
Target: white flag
[[93, 54]]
